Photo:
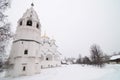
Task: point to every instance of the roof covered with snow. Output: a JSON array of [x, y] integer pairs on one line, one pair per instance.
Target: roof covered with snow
[[115, 57]]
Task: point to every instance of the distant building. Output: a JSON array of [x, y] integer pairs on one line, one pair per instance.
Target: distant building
[[115, 59], [68, 61], [30, 51]]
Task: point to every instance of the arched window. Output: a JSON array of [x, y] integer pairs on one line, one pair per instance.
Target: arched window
[[26, 52], [29, 23], [20, 23], [24, 68], [37, 26], [47, 59]]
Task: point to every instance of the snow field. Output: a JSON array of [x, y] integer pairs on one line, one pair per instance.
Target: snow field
[[75, 72]]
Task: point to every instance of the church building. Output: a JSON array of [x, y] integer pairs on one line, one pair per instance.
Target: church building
[[30, 51]]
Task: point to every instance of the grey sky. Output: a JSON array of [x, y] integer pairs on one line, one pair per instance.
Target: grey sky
[[75, 24]]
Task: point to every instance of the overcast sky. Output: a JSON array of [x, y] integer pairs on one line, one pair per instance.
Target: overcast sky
[[75, 24]]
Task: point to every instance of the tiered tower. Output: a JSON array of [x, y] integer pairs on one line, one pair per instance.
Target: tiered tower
[[25, 57]]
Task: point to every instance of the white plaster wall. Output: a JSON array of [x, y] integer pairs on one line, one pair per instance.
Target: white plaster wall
[[30, 65], [27, 32], [18, 57], [38, 49]]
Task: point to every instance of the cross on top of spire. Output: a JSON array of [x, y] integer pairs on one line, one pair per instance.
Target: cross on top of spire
[[32, 4]]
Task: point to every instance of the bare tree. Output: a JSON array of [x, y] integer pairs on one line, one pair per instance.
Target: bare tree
[[5, 31], [106, 58], [96, 55]]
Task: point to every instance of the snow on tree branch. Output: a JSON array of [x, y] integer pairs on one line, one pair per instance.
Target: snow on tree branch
[[5, 30]]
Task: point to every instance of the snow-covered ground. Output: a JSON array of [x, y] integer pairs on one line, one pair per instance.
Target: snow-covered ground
[[75, 72]]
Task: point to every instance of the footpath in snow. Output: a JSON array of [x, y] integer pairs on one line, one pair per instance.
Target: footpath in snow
[[75, 72]]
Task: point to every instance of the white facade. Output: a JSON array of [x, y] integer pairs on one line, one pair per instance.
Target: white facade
[[30, 51]]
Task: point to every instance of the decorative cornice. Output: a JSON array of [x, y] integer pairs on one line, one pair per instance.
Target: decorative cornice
[[26, 40]]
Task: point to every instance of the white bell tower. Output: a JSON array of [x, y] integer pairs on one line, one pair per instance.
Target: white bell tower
[[24, 57]]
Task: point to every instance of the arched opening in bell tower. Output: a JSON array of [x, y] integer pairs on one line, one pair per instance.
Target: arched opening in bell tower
[[20, 23], [29, 23]]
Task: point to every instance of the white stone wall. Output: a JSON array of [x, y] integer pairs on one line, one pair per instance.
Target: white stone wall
[[31, 32], [30, 52], [50, 51]]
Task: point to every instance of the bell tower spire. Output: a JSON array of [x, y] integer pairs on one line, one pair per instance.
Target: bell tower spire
[[29, 24]]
